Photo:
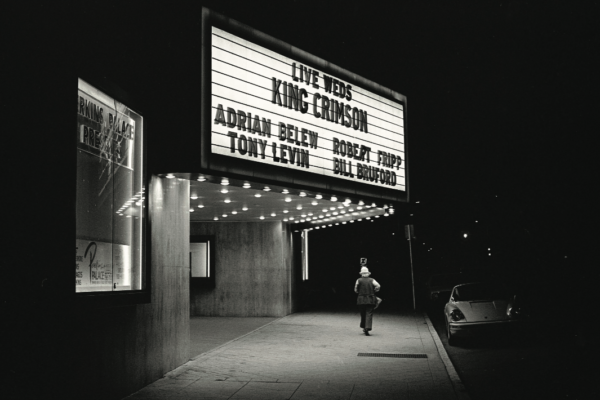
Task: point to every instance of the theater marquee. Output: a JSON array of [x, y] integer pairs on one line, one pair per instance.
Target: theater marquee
[[272, 109]]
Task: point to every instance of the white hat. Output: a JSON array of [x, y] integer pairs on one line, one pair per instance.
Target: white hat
[[365, 270]]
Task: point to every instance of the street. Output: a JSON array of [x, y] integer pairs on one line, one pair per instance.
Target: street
[[539, 361]]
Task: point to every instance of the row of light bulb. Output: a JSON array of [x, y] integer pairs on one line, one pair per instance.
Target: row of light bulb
[[137, 199], [305, 217], [247, 185]]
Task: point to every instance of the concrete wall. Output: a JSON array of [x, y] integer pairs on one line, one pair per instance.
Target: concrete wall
[[254, 270], [126, 348], [59, 348]]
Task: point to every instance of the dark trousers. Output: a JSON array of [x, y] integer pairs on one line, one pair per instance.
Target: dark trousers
[[366, 316]]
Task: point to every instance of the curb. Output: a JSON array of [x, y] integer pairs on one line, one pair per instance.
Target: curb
[[459, 387]]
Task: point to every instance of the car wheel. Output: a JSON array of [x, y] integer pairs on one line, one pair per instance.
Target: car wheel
[[451, 337]]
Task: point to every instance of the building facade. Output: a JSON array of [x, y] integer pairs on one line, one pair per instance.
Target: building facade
[[201, 202]]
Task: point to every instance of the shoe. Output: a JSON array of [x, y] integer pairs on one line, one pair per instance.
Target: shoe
[[366, 332]]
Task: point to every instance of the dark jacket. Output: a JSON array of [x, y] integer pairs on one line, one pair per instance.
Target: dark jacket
[[366, 287]]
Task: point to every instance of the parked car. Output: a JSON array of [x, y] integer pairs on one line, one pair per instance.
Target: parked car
[[476, 305], [439, 286]]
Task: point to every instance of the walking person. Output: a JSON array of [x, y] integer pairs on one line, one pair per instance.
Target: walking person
[[366, 288]]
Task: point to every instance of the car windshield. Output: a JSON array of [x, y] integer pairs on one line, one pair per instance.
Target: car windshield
[[438, 280], [478, 291]]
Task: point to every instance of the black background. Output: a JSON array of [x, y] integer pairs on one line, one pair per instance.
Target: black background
[[501, 106]]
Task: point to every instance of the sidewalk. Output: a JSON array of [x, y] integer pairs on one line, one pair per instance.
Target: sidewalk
[[314, 355]]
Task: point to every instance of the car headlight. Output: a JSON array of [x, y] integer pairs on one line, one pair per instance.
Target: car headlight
[[456, 315]]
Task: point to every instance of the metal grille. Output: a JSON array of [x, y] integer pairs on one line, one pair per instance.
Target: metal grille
[[392, 355]]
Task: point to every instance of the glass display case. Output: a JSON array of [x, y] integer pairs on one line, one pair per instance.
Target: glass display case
[[110, 199]]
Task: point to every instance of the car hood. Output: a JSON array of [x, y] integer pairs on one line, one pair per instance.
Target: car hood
[[483, 310]]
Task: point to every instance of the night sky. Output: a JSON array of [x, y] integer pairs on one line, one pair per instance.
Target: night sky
[[501, 102]]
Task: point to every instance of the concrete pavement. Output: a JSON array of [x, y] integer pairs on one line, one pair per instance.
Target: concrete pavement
[[314, 355]]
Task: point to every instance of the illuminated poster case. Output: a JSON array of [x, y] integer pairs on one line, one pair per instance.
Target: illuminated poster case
[[281, 114], [110, 200]]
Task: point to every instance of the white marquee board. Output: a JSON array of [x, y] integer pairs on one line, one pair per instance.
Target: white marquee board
[[347, 133]]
